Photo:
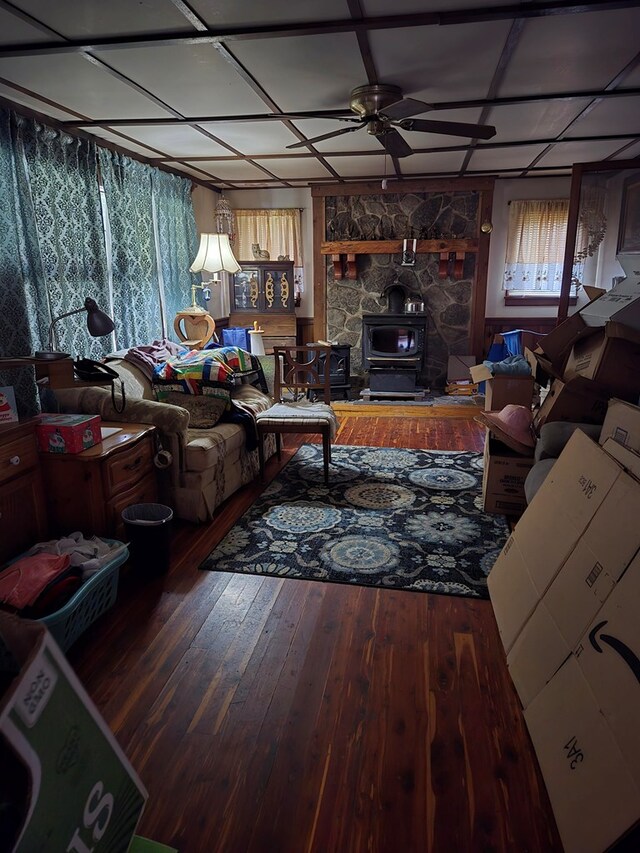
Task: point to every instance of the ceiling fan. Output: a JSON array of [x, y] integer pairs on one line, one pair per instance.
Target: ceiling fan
[[382, 109]]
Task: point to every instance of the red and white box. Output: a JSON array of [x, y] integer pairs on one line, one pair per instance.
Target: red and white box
[[68, 433]]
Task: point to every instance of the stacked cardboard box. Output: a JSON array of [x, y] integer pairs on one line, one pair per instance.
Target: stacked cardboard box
[[566, 595], [592, 356], [503, 389]]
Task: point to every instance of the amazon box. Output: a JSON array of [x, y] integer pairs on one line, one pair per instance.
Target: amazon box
[[589, 779]]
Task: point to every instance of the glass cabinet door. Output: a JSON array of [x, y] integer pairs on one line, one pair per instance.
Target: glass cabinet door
[[246, 290]]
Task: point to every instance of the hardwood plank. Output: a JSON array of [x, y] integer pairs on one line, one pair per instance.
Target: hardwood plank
[[274, 714]]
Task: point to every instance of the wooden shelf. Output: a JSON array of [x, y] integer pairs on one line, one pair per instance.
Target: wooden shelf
[[394, 247]]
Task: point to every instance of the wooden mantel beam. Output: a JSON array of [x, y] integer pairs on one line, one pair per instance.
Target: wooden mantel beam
[[394, 247]]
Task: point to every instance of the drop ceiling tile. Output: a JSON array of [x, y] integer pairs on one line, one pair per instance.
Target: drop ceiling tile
[[20, 99], [188, 170], [504, 158], [230, 170], [568, 153], [408, 7], [536, 120], [371, 166], [15, 30], [573, 52], [257, 137], [435, 64], [98, 18], [294, 167], [615, 115], [230, 13], [120, 139], [305, 72], [72, 81], [629, 153], [175, 140], [193, 79], [436, 162]]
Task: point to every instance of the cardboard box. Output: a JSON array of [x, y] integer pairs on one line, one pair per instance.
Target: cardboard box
[[458, 368], [629, 459], [611, 357], [609, 657], [593, 793], [557, 344], [548, 531], [68, 433], [74, 788], [622, 424], [503, 479], [621, 304], [8, 408], [500, 391], [577, 400]]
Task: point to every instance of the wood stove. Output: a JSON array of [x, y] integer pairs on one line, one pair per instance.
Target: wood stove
[[393, 350]]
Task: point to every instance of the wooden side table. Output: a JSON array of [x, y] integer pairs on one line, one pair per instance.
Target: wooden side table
[[23, 517], [87, 491]]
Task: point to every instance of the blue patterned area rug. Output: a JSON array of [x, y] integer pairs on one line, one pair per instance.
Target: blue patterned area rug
[[400, 519]]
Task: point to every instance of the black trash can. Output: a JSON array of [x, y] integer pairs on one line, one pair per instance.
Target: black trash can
[[148, 529]]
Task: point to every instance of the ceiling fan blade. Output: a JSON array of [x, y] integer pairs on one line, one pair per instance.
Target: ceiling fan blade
[[453, 128], [404, 108], [394, 144], [327, 136]]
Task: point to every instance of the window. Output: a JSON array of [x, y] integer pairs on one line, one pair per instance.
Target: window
[[535, 248], [277, 231]]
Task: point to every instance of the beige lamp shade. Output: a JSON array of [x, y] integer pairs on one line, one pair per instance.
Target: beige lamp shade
[[214, 255]]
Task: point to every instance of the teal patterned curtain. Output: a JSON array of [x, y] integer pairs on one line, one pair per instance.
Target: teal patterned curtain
[[177, 242], [136, 298]]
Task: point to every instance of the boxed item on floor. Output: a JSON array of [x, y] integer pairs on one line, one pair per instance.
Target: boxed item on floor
[[609, 356], [619, 305], [578, 400], [501, 390], [68, 433], [548, 532], [505, 471], [72, 786], [458, 368], [622, 424]]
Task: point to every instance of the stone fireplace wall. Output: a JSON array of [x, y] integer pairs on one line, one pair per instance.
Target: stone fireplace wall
[[447, 302]]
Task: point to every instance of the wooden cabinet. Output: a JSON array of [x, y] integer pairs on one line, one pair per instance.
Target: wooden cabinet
[[23, 519], [87, 491], [263, 292]]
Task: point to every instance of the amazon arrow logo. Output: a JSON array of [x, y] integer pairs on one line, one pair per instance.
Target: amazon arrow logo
[[627, 654]]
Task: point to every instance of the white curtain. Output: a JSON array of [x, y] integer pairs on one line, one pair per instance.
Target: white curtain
[[278, 231], [535, 244]]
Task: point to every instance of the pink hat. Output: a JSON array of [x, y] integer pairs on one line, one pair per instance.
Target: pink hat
[[513, 426]]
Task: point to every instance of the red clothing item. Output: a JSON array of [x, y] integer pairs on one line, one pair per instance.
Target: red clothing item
[[22, 582]]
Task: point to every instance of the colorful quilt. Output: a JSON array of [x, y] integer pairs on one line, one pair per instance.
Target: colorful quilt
[[209, 372]]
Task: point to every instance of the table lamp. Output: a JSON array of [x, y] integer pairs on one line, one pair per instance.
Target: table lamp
[[214, 255], [98, 324]]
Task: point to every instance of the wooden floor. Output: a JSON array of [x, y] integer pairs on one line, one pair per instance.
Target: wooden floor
[[282, 716]]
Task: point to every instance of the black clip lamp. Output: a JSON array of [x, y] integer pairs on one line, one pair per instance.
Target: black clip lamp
[[98, 324]]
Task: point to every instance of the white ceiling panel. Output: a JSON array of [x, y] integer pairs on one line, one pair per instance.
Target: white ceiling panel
[[440, 63], [409, 7], [537, 120], [176, 140], [15, 30], [120, 139], [74, 19], [264, 137], [578, 152], [307, 72], [295, 167], [230, 13], [618, 115], [194, 79], [372, 165], [629, 153], [18, 97], [505, 158], [72, 81], [441, 161], [230, 170], [189, 170], [564, 53]]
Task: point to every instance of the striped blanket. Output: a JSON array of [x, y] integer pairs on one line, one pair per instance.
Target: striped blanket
[[203, 369]]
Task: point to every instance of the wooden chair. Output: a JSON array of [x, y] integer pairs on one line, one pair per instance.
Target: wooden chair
[[298, 371]]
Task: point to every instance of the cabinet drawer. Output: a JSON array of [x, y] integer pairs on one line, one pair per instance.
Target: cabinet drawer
[[17, 456], [124, 469], [145, 491]]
